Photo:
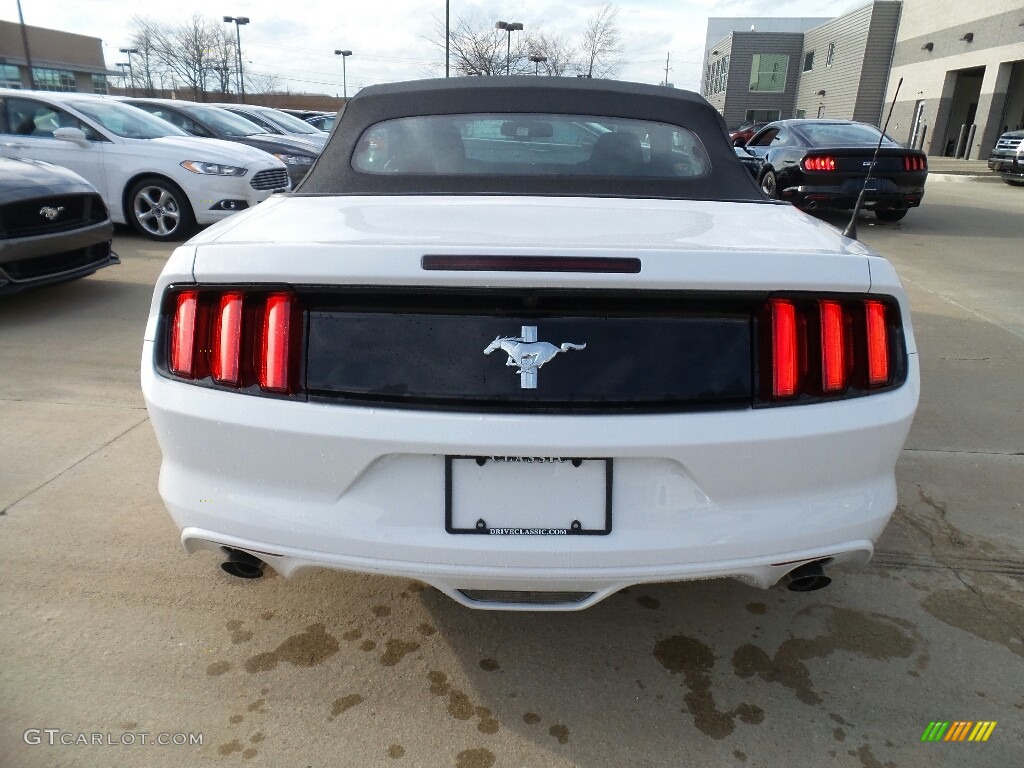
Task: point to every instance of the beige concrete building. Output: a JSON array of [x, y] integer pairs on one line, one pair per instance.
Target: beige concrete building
[[61, 61], [962, 65]]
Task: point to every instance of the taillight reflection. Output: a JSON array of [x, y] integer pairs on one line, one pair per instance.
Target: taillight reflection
[[183, 335], [273, 362], [833, 347], [878, 344], [785, 352], [227, 340]]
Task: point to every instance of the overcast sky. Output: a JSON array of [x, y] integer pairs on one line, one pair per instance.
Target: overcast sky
[[390, 39]]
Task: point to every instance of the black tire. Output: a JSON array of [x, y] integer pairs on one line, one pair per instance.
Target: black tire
[[890, 214], [770, 185], [159, 210], [1014, 182]]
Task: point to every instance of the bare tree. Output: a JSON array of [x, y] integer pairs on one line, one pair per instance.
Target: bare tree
[[223, 58], [259, 83], [186, 51], [147, 65], [600, 46], [559, 54], [477, 48]]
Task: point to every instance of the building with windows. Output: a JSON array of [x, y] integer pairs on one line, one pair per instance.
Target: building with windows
[[835, 68], [959, 68], [962, 66], [720, 27], [61, 61]]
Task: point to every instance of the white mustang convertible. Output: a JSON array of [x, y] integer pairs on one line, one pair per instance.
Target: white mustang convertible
[[530, 341]]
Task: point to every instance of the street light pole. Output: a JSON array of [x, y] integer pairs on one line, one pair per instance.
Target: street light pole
[[344, 75], [510, 27], [124, 75], [131, 72], [239, 21], [536, 58], [24, 43]]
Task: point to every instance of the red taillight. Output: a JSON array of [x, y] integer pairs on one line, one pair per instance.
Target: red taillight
[[227, 340], [236, 338], [183, 335], [785, 350], [878, 343], [825, 163], [914, 163], [272, 367], [813, 349], [833, 347]]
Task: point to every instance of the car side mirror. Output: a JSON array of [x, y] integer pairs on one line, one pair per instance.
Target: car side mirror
[[77, 135]]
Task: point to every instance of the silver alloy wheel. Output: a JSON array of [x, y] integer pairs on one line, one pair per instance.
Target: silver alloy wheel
[[768, 184], [156, 210]]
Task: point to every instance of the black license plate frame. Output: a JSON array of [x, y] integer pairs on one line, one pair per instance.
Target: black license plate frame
[[574, 528]]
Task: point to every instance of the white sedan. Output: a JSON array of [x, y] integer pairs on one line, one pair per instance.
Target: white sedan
[[149, 173], [528, 362]]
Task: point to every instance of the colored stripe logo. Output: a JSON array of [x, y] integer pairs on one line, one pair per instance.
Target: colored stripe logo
[[958, 730]]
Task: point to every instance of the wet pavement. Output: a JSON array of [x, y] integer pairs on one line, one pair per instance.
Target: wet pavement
[[109, 629]]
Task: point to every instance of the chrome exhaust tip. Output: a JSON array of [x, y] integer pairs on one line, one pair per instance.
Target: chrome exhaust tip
[[807, 577], [242, 564]]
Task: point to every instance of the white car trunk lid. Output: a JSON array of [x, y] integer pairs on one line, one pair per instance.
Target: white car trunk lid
[[688, 245]]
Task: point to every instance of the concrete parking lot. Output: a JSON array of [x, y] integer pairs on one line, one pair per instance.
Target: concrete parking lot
[[108, 628]]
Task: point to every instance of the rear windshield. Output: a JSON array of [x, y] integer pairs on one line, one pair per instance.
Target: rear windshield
[[530, 145], [227, 123], [843, 134], [290, 123]]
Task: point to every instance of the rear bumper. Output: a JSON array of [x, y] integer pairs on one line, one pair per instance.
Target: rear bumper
[[748, 493], [587, 585], [832, 197], [1007, 166]]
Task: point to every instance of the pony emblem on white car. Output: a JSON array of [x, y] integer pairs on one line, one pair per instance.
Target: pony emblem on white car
[[528, 354]]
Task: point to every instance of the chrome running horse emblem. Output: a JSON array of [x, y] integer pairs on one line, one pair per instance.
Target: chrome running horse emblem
[[50, 213], [528, 354]]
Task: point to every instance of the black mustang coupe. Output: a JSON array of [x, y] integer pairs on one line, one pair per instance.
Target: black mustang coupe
[[824, 164], [53, 226]]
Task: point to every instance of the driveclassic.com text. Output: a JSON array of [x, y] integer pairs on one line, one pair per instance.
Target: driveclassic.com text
[[56, 737]]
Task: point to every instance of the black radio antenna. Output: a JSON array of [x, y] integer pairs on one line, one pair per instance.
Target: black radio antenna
[[851, 228]]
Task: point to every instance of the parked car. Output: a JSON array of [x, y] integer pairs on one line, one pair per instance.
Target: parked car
[[824, 164], [207, 121], [1007, 158], [276, 121], [150, 174], [53, 226], [323, 122], [527, 371], [303, 114], [750, 161], [741, 134]]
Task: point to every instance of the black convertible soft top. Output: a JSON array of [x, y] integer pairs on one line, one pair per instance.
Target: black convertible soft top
[[333, 173]]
